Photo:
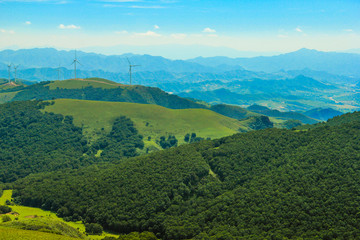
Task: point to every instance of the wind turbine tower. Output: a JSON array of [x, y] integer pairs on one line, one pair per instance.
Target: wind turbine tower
[[74, 62], [130, 68], [59, 71], [15, 68], [9, 69]]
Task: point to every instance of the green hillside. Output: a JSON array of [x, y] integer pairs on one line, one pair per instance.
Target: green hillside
[[267, 184], [322, 113], [83, 83], [150, 120], [233, 111], [282, 115], [33, 141], [16, 234], [99, 90]]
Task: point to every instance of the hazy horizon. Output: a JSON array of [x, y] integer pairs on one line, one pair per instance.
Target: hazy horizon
[[250, 28]]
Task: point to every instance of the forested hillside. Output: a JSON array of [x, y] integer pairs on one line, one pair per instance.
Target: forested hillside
[[274, 184], [32, 141], [137, 94]]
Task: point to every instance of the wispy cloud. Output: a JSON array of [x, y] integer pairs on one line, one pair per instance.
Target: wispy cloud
[[71, 26], [7, 31], [298, 29], [156, 27], [28, 23], [149, 34], [348, 30], [209, 30]]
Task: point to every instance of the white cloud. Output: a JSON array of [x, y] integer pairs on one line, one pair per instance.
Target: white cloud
[[209, 30], [28, 23], [178, 35], [348, 30], [298, 29], [7, 31], [156, 27], [148, 33], [71, 26]]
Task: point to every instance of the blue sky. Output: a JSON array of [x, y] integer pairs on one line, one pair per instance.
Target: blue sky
[[244, 25]]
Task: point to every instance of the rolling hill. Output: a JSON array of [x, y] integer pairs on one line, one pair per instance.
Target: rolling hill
[[322, 113], [267, 184], [151, 120]]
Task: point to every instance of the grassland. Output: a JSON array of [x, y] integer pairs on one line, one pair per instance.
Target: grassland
[[19, 234], [27, 214], [82, 83], [153, 121]]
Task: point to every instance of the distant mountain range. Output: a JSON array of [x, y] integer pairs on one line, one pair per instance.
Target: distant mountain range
[[347, 64], [307, 61]]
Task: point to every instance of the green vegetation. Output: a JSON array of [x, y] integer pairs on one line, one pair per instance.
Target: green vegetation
[[150, 120], [283, 115], [233, 111], [267, 184], [322, 113], [5, 209], [93, 228], [134, 236], [44, 224], [335, 121], [79, 84], [32, 141], [35, 216], [100, 90], [16, 234], [258, 122]]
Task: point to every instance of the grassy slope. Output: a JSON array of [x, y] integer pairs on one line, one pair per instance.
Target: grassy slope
[[25, 212], [95, 115], [16, 234]]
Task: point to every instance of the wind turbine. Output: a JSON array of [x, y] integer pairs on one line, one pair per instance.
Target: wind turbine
[[74, 62], [15, 68], [58, 70], [9, 68], [130, 68]]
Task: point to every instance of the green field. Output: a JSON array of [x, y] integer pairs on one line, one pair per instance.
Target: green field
[[18, 234], [153, 121], [82, 83], [29, 214]]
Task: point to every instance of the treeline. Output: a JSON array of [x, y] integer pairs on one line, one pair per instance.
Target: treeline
[[267, 184], [134, 94], [32, 141]]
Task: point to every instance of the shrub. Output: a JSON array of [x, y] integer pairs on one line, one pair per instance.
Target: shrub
[[93, 228]]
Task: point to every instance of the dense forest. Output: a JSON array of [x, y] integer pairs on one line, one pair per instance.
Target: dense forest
[[272, 183], [32, 141]]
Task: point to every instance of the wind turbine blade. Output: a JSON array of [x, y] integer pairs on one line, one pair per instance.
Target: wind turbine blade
[[128, 61]]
